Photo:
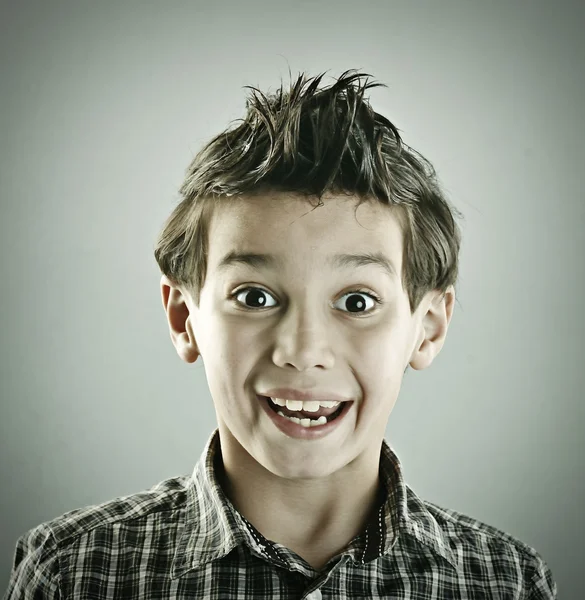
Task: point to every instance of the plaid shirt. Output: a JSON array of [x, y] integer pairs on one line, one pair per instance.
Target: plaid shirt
[[184, 539]]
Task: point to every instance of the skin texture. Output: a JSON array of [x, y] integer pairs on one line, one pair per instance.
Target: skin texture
[[311, 496]]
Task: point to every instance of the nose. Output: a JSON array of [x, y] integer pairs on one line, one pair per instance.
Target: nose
[[302, 342]]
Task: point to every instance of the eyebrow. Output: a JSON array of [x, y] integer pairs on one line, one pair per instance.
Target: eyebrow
[[340, 261]]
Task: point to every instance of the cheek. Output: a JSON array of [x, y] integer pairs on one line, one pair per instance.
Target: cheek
[[225, 340], [377, 348], [380, 366], [231, 356]]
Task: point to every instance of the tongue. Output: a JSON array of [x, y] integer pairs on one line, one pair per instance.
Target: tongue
[[322, 412]]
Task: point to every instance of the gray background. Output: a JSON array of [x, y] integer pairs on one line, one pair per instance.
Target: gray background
[[102, 107]]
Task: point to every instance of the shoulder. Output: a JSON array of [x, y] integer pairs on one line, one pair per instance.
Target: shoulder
[[472, 533], [480, 548], [157, 503], [84, 536]]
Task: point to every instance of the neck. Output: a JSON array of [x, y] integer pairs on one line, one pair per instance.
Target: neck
[[316, 518]]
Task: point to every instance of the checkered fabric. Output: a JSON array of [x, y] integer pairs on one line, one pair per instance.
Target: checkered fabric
[[183, 539]]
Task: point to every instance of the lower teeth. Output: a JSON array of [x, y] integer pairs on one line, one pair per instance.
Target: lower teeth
[[305, 422]]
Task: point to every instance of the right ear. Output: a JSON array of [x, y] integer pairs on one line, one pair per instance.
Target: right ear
[[179, 320]]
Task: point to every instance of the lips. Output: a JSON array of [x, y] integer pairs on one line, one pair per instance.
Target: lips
[[298, 431]]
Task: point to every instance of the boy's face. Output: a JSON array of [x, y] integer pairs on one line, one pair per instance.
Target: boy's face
[[301, 328]]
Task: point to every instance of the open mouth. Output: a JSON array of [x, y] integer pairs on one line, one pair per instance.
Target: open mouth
[[298, 415], [304, 425]]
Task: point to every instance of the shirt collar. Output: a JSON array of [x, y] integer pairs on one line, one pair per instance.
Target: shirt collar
[[404, 513], [213, 527]]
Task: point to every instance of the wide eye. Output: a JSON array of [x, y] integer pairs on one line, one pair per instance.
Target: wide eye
[[254, 298], [356, 301]]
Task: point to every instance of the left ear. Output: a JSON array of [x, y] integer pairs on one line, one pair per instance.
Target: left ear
[[433, 327]]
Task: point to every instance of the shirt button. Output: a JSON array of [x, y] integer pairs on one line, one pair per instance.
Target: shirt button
[[315, 595]]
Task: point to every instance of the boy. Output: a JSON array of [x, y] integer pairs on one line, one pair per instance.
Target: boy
[[307, 315]]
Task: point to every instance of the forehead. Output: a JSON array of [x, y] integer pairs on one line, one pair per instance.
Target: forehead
[[291, 227]]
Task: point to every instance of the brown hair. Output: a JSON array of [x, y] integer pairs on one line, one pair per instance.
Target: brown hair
[[315, 142]]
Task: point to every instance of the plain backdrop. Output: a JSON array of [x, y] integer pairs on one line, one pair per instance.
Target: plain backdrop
[[104, 104]]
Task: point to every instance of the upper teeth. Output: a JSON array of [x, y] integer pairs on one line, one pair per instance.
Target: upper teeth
[[311, 406]]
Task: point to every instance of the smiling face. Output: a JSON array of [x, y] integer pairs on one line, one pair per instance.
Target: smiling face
[[301, 318]]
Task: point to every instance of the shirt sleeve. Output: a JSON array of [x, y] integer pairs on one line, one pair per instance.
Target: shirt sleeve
[[542, 585], [35, 570]]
